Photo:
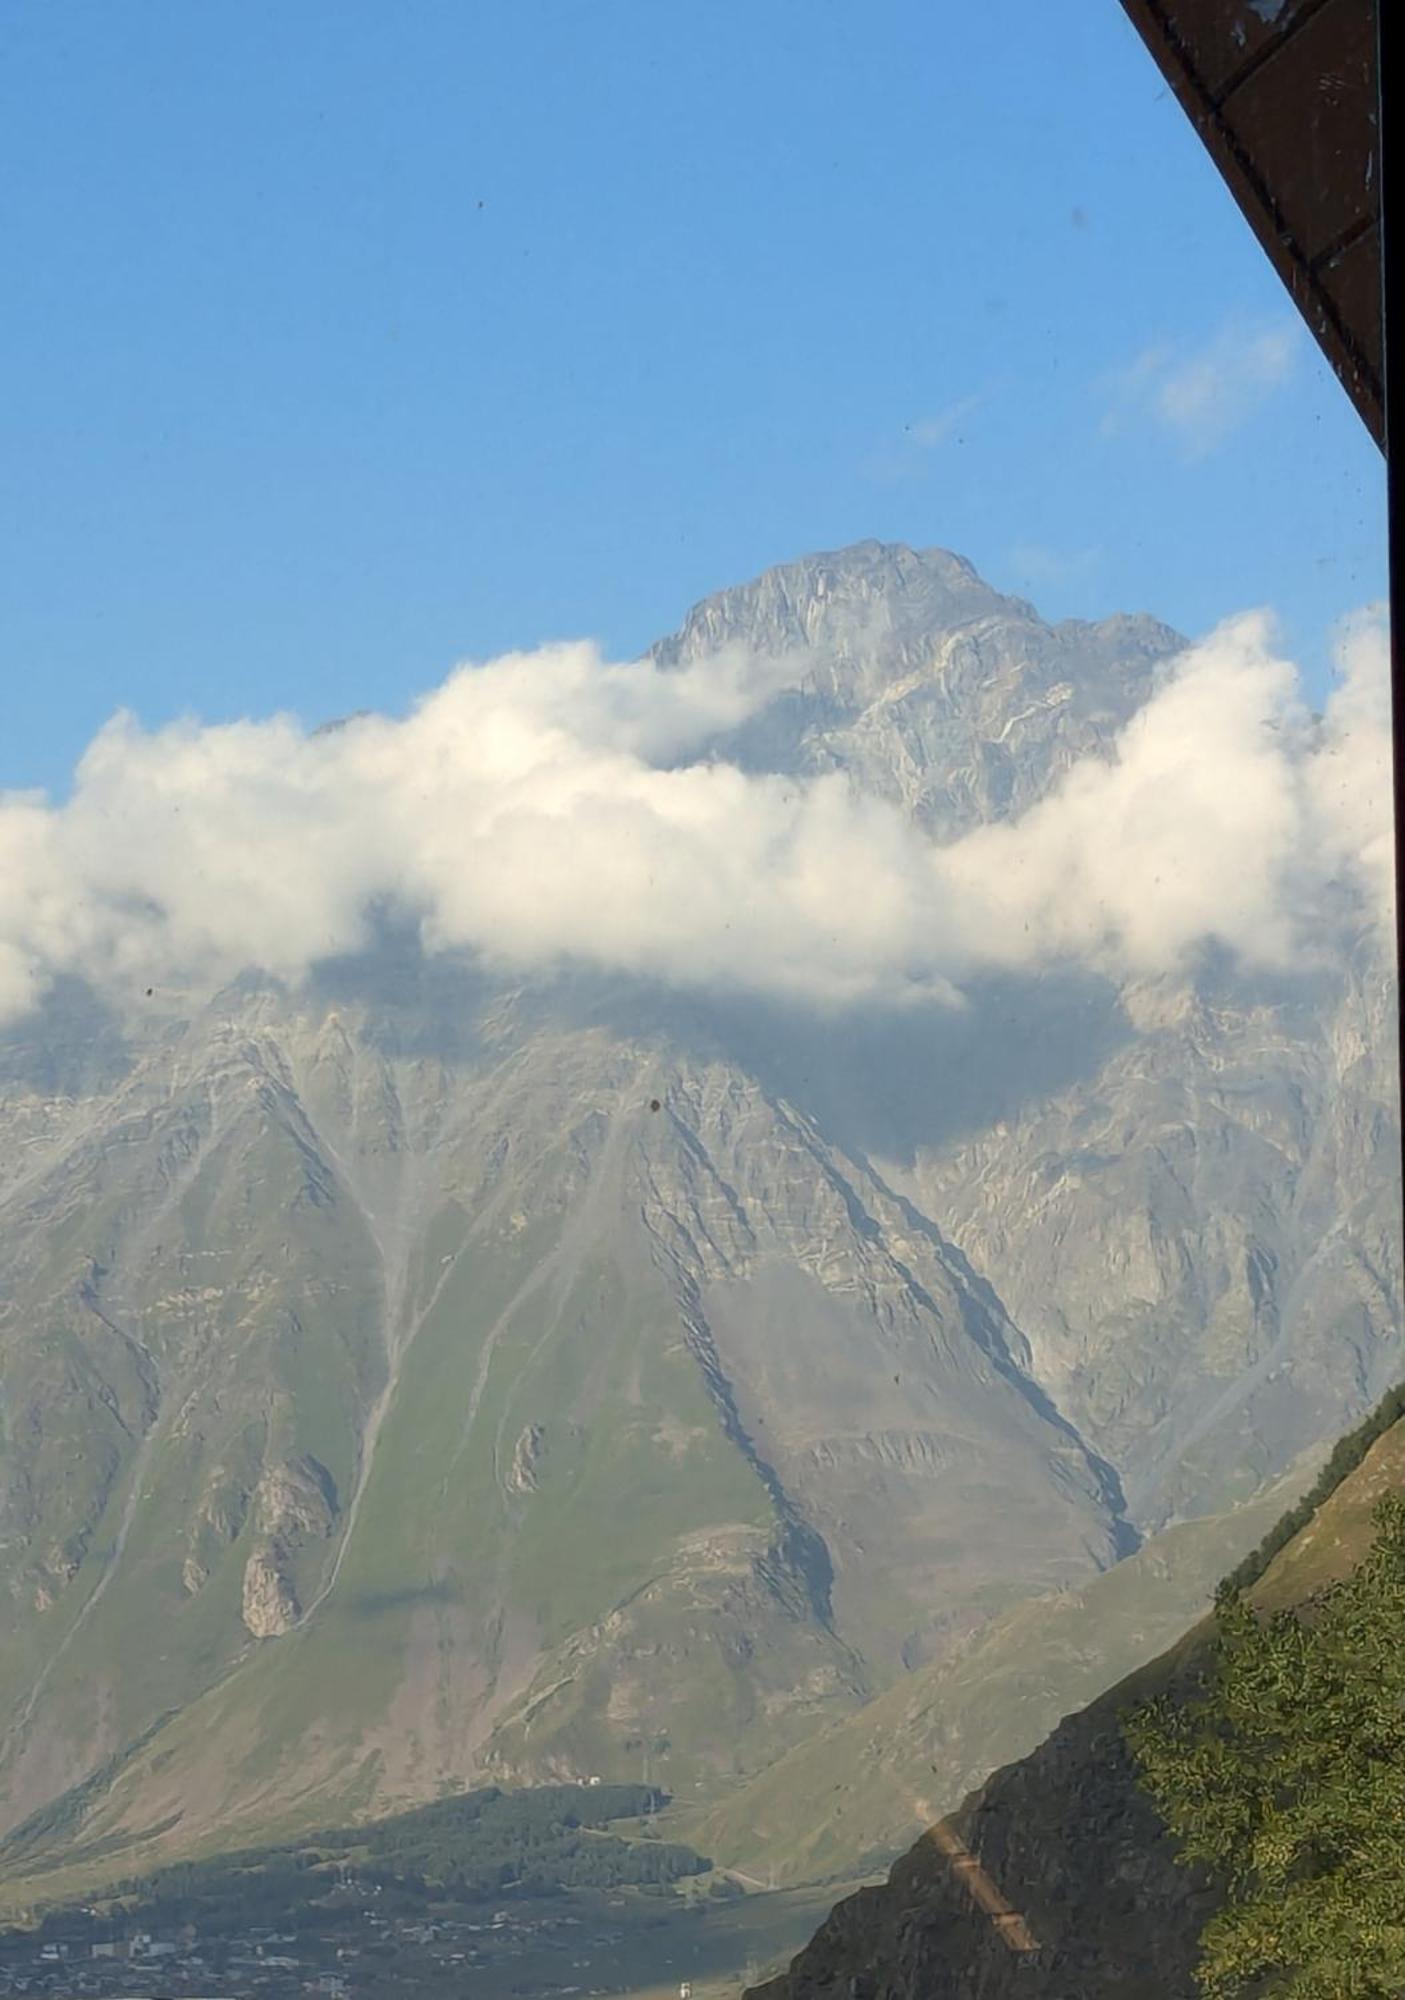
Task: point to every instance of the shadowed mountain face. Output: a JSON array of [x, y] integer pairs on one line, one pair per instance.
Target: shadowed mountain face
[[424, 1375]]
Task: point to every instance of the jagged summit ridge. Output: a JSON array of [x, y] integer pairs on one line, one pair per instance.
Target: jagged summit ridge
[[872, 588], [922, 682]]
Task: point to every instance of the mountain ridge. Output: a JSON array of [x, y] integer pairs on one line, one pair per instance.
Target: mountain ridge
[[430, 1372]]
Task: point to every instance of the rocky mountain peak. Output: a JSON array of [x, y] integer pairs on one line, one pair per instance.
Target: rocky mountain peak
[[854, 604], [923, 682]]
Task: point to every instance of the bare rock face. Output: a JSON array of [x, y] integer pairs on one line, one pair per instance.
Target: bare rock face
[[57, 1570], [1056, 1881], [522, 1476], [215, 1526], [290, 1503], [270, 1605], [295, 1501]]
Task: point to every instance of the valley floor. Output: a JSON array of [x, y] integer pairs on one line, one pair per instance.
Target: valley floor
[[583, 1944]]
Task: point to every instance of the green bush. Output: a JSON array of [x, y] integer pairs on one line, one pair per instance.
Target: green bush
[[1287, 1778], [1346, 1455]]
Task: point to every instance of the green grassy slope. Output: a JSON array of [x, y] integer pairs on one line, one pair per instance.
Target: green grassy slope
[[850, 1798], [472, 1419]]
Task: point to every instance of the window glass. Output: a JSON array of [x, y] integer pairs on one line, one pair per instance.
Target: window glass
[[697, 1004]]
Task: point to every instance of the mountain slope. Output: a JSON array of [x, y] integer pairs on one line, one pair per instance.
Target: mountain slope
[[848, 1798], [1201, 1245], [1057, 1878], [575, 1461], [423, 1375]]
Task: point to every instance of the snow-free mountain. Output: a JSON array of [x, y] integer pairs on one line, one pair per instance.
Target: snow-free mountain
[[423, 1372]]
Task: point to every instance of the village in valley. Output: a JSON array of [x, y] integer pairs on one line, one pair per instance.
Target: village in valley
[[555, 1893], [578, 1947], [359, 1954]]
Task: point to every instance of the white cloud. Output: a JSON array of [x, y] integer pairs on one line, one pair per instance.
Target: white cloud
[[552, 806], [1199, 395], [1350, 780], [904, 457], [929, 432]]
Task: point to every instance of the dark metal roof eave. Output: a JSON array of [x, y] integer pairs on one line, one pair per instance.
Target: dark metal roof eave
[[1284, 96]]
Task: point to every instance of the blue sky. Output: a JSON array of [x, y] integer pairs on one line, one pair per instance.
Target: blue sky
[[345, 341]]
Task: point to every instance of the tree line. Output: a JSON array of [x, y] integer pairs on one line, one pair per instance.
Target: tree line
[[539, 1841], [1346, 1455]]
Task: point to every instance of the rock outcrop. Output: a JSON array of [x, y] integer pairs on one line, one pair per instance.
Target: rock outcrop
[[294, 1503], [269, 1604], [522, 1473]]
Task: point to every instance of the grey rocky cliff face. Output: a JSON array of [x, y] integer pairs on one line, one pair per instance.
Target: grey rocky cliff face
[[1200, 1241], [922, 683]]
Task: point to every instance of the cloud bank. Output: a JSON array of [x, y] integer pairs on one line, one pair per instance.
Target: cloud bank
[[554, 807]]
